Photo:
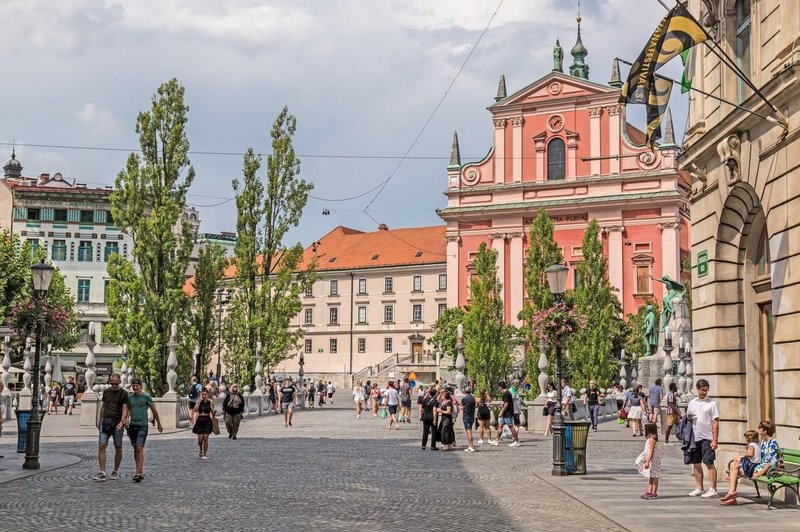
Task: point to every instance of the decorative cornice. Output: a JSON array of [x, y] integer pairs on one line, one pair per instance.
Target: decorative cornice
[[500, 123], [452, 238], [516, 234], [612, 110], [595, 112], [671, 224], [613, 229], [498, 236], [517, 121]]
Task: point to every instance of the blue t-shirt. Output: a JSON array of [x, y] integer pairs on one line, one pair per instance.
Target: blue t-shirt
[[656, 393]]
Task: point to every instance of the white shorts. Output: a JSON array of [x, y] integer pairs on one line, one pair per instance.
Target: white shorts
[[69, 400]]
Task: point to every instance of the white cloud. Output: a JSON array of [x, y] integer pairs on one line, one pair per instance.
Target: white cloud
[[97, 122]]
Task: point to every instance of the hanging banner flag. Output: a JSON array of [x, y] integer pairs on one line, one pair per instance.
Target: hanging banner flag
[[677, 32], [687, 57]]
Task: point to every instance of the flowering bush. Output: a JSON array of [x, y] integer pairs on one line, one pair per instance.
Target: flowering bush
[[555, 324], [28, 317]]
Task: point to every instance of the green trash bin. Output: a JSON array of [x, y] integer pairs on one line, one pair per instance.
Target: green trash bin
[[576, 434]]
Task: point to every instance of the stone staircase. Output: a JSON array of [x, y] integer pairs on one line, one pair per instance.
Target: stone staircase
[[398, 365]]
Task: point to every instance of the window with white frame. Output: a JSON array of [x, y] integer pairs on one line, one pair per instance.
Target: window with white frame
[[362, 286], [362, 314], [388, 314], [387, 345], [309, 290], [442, 308], [416, 283], [334, 315], [307, 347], [416, 313], [309, 316], [388, 285], [643, 279], [442, 281], [334, 287], [362, 345], [334, 345]]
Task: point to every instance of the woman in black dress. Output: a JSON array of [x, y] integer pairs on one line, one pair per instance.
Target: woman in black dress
[[203, 425], [447, 436]]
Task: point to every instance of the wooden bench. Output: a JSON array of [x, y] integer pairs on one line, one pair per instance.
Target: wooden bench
[[784, 474]]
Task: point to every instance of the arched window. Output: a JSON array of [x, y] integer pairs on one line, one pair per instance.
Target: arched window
[[743, 46], [556, 154]]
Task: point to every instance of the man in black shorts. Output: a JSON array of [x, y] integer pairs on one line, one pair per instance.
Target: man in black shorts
[[113, 413], [427, 414], [287, 402], [468, 416]]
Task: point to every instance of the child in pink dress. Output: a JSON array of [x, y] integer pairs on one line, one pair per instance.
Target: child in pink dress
[[649, 463]]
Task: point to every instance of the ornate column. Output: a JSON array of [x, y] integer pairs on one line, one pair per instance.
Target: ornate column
[[454, 283], [48, 370], [516, 283], [89, 397], [670, 248], [57, 376], [6, 396], [168, 406], [460, 362], [543, 366], [172, 361], [594, 139], [572, 155], [499, 245], [614, 138], [500, 149], [539, 148], [24, 401], [516, 134], [615, 263], [123, 371]]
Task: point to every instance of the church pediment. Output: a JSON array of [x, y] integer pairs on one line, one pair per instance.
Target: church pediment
[[553, 85]]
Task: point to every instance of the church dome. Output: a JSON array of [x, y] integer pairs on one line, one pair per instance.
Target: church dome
[[13, 167]]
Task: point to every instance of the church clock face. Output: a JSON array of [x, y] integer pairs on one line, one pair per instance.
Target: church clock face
[[555, 123]]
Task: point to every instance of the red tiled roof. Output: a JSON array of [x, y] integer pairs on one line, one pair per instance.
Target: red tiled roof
[[636, 135]]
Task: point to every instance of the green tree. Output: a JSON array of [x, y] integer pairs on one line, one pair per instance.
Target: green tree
[[445, 331], [488, 339], [207, 278], [146, 293], [15, 273], [542, 253], [270, 275], [591, 354]]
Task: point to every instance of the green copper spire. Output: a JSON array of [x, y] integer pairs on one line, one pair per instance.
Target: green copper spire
[[579, 68]]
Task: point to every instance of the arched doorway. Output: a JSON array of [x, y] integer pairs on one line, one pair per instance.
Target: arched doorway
[[744, 285]]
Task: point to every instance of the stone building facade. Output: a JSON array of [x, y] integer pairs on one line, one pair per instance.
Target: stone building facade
[[746, 216]]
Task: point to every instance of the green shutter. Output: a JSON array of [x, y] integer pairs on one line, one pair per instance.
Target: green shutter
[[20, 213], [46, 215], [99, 217], [73, 215]]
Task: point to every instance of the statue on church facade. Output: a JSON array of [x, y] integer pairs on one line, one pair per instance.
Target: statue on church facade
[[558, 57], [675, 290], [650, 331]]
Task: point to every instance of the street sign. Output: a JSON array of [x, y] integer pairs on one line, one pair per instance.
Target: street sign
[[413, 384], [412, 375], [702, 263]]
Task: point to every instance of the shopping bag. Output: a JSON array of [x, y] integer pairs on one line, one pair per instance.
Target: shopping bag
[[215, 425], [383, 414]]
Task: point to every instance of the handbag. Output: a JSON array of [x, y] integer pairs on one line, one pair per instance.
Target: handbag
[[623, 414], [215, 424], [574, 408], [383, 414], [544, 411]]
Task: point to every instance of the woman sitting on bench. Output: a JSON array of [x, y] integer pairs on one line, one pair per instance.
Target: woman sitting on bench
[[744, 467]]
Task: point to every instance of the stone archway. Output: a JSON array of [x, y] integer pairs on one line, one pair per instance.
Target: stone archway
[[743, 313]]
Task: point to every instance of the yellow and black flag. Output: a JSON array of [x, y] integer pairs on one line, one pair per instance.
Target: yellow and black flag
[[677, 32]]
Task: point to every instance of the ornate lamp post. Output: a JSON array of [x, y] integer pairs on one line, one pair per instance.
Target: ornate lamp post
[[300, 373], [557, 280], [41, 274]]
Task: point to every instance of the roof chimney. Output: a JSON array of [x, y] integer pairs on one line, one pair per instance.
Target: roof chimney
[[44, 178], [383, 227]]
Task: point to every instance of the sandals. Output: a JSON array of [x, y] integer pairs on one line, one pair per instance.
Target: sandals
[[729, 502], [138, 478], [730, 496]]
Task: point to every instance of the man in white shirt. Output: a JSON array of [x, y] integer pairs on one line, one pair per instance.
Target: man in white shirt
[[567, 399], [704, 415]]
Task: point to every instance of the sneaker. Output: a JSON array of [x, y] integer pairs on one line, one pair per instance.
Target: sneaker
[[114, 476], [669, 444], [494, 442], [480, 442], [646, 495], [514, 444], [204, 458], [696, 492], [100, 477], [710, 493]]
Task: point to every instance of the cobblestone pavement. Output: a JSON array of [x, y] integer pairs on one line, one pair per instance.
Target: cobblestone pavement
[[331, 471]]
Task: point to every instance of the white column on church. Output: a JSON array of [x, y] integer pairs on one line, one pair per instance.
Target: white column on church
[[594, 139], [614, 136], [500, 150], [498, 244], [517, 122], [615, 263], [453, 281], [516, 282], [670, 248]]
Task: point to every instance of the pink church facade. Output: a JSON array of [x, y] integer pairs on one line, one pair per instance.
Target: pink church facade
[[562, 144]]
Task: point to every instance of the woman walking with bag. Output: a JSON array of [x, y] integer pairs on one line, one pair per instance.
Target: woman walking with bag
[[550, 407], [204, 424], [447, 436]]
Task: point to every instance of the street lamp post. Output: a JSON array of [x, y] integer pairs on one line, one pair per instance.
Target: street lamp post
[[300, 373], [41, 274], [557, 280]]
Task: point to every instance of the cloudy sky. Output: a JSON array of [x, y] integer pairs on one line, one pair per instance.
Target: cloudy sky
[[361, 76]]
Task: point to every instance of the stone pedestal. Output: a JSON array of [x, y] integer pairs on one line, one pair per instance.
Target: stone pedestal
[[89, 406], [652, 367], [537, 423], [25, 399], [168, 410]]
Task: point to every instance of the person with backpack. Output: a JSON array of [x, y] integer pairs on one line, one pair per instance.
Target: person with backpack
[[331, 390], [673, 411], [506, 417], [427, 414], [194, 396], [517, 403]]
